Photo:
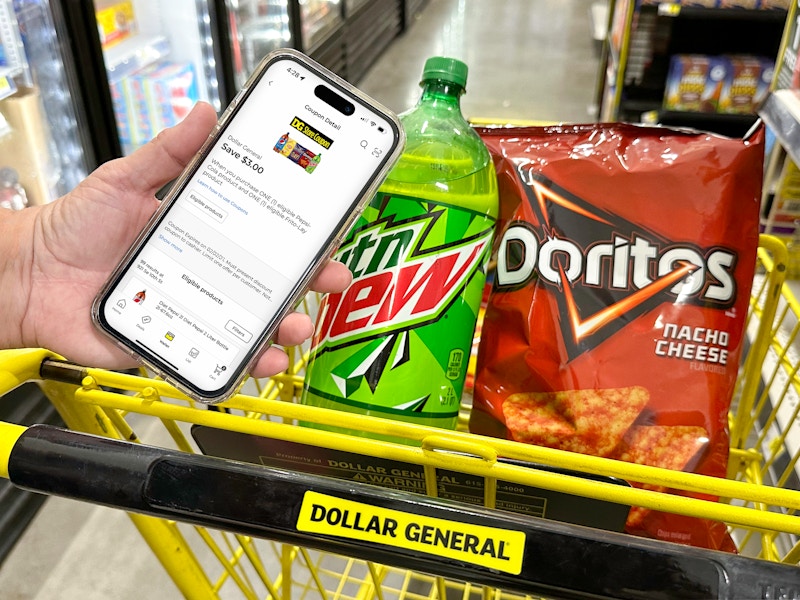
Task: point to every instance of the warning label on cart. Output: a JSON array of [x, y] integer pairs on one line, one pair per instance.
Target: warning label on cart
[[410, 477], [490, 547]]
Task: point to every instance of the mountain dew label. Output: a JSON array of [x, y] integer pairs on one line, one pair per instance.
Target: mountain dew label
[[398, 339]]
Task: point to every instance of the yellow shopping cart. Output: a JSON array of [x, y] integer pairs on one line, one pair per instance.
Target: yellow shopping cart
[[270, 531]]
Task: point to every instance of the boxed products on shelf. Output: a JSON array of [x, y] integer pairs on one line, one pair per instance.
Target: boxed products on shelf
[[171, 91], [746, 84], [115, 22], [695, 83], [151, 100], [732, 84], [645, 35], [141, 121], [121, 114]]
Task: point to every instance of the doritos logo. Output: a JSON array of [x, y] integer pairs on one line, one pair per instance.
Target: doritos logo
[[606, 270]]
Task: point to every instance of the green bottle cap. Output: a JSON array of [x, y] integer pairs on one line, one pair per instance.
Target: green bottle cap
[[446, 69]]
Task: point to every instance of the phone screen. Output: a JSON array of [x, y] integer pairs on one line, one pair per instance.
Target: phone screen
[[223, 261]]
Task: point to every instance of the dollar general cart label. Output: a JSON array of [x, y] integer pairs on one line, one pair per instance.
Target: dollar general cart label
[[490, 547]]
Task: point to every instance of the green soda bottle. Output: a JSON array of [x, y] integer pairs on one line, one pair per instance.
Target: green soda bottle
[[396, 343]]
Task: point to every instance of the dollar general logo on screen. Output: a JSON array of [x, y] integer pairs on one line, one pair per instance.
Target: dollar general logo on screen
[[489, 547], [311, 133], [298, 154]]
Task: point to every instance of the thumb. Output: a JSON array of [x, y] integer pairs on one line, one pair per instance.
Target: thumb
[[163, 158]]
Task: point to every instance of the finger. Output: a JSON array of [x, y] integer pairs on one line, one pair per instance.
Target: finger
[[295, 329], [335, 277], [163, 158], [272, 362]]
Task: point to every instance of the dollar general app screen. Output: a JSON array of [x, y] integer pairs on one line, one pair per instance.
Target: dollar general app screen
[[247, 225]]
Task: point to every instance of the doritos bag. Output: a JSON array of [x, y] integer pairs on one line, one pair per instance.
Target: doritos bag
[[614, 328]]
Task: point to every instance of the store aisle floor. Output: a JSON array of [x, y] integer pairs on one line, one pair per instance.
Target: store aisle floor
[[528, 60]]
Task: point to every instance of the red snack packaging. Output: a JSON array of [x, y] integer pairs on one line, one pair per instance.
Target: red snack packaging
[[625, 259]]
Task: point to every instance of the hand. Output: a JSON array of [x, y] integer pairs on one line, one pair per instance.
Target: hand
[[56, 257]]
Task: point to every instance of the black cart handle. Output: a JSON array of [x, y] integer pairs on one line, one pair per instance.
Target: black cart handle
[[460, 541]]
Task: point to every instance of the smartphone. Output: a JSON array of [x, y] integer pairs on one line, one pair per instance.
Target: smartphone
[[254, 216]]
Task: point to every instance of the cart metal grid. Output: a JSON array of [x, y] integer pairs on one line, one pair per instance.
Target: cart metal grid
[[224, 529]]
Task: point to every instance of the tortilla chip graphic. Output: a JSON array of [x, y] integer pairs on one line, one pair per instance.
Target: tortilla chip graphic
[[669, 447], [585, 421]]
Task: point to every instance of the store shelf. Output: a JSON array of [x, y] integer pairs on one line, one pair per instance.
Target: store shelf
[[652, 34], [351, 7], [730, 125], [133, 54], [10, 72], [13, 53], [368, 32], [332, 53], [707, 32], [781, 113], [319, 21], [411, 10], [671, 9]]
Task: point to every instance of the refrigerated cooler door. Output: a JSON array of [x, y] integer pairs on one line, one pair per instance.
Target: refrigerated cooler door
[[351, 6], [255, 28], [319, 19], [160, 59], [42, 152], [51, 73], [42, 156], [370, 27]]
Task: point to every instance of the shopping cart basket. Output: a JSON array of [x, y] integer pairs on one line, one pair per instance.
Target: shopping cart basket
[[341, 538]]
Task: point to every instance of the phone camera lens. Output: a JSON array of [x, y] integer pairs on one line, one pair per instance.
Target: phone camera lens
[[348, 109]]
